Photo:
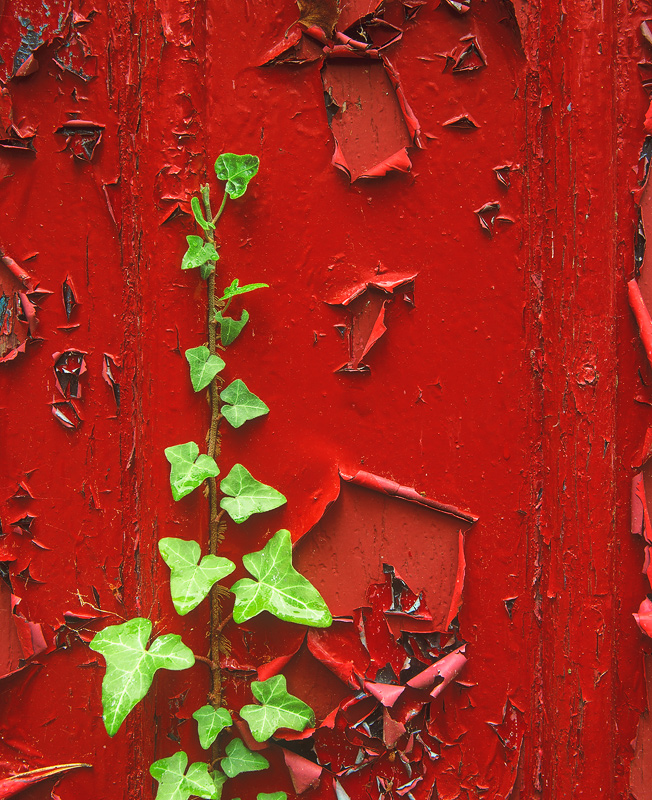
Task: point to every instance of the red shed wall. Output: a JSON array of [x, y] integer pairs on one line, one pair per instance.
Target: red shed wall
[[494, 389]]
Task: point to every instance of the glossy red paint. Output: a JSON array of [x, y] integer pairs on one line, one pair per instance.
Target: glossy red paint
[[503, 383]]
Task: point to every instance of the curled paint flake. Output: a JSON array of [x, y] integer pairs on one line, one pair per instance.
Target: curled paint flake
[[19, 296], [463, 122], [82, 137], [13, 784], [488, 217], [66, 413], [23, 525], [367, 303], [75, 56], [31, 40], [18, 139], [357, 92], [109, 364], [69, 366], [646, 31], [461, 6], [22, 492], [468, 57], [502, 174], [69, 297]]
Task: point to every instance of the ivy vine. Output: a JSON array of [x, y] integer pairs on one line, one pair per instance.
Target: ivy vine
[[276, 587]]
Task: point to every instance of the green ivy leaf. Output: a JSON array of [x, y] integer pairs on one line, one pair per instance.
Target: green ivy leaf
[[203, 223], [191, 582], [279, 709], [174, 783], [240, 759], [235, 289], [281, 590], [271, 796], [243, 405], [198, 253], [203, 366], [210, 723], [237, 171], [230, 328], [219, 779], [188, 469], [247, 495], [130, 667]]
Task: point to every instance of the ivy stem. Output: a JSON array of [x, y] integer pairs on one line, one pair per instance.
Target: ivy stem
[[214, 517], [205, 660], [219, 211], [224, 623]]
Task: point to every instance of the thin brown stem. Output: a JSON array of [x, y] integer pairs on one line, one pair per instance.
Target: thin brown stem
[[205, 660], [224, 623], [214, 517]]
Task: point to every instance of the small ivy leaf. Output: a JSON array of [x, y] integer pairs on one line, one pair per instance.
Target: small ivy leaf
[[237, 171], [243, 405], [247, 496], [130, 667], [206, 269], [279, 709], [271, 796], [174, 783], [219, 779], [280, 589], [190, 582], [203, 366], [198, 253], [188, 469], [230, 328], [235, 289], [210, 723], [203, 223], [240, 759]]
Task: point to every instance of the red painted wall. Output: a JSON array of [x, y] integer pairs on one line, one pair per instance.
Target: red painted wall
[[502, 385]]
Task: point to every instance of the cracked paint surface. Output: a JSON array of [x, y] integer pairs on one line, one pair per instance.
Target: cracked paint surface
[[489, 670]]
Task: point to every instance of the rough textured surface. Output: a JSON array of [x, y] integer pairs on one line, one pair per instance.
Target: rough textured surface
[[492, 388]]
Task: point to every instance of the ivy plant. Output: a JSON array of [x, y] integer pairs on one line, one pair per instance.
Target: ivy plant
[[279, 588], [276, 587], [130, 665], [190, 581], [210, 723], [239, 758], [177, 784], [278, 709]]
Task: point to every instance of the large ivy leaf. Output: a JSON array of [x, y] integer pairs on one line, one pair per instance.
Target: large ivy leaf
[[279, 709], [198, 253], [240, 759], [130, 667], [243, 405], [203, 223], [280, 589], [230, 328], [190, 582], [237, 171], [174, 783], [188, 469], [203, 366], [247, 495], [210, 723], [235, 289]]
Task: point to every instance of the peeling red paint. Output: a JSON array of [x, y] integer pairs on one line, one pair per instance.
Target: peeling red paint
[[491, 385]]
